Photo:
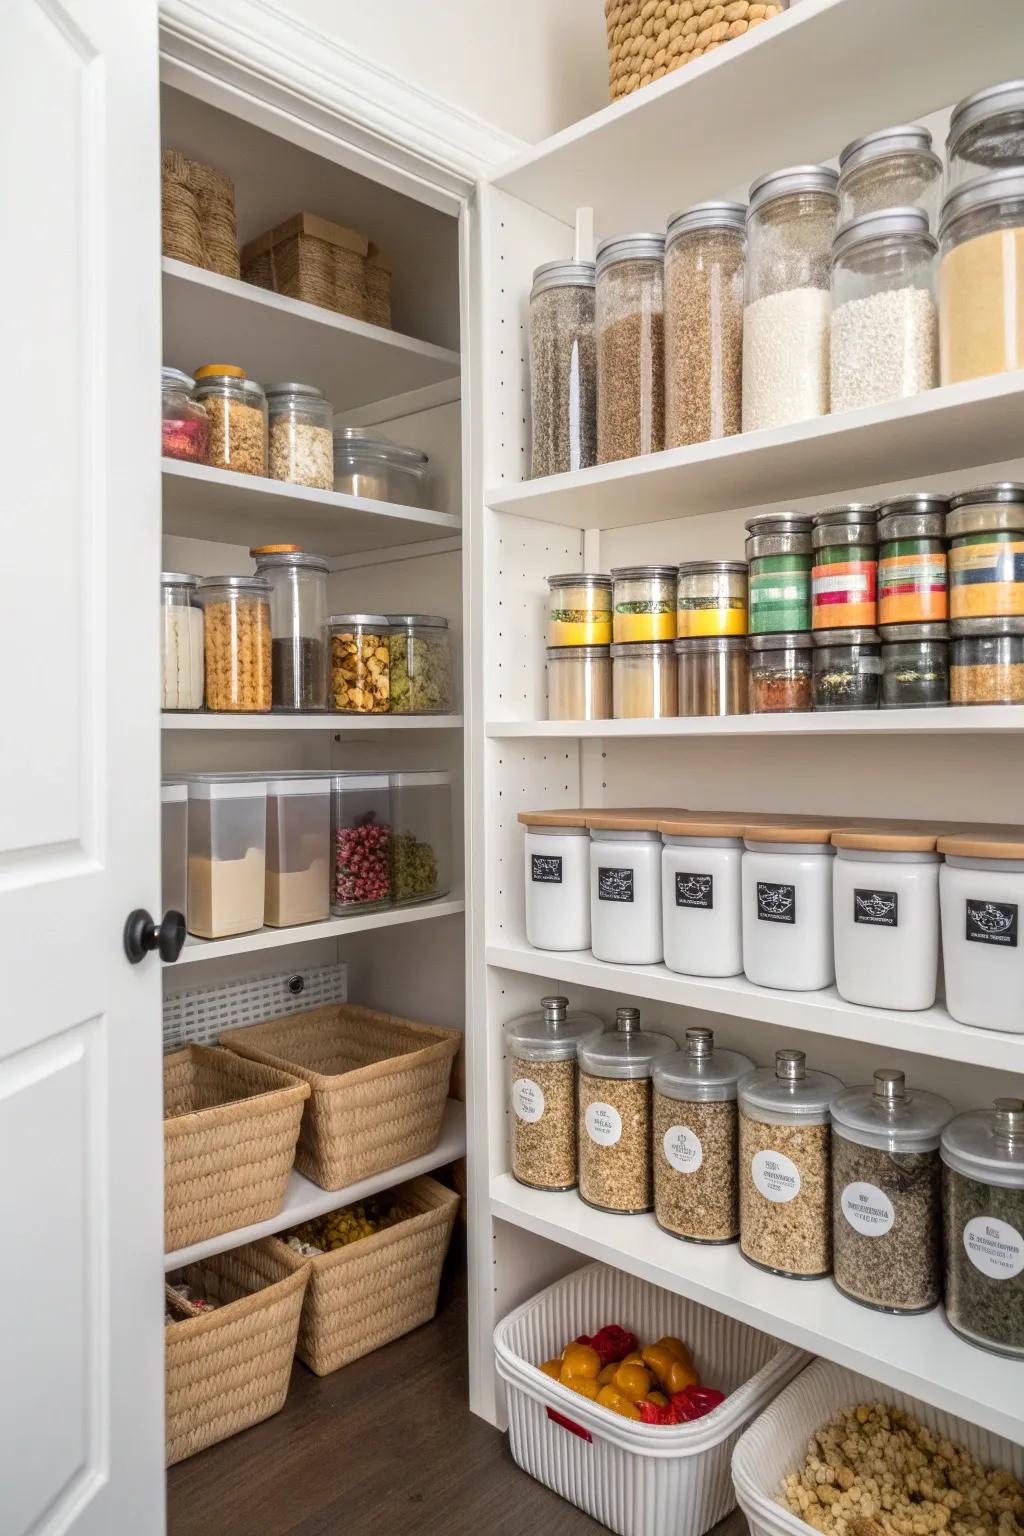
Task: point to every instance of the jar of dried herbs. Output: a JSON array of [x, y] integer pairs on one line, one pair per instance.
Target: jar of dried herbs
[[563, 368], [886, 1202], [540, 1054], [696, 1183], [983, 1214], [630, 347], [785, 1178], [915, 665], [847, 669], [420, 659], [615, 1121], [778, 551], [780, 673]]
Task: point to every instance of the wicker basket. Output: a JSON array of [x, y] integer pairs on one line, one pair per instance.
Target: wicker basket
[[229, 1368], [364, 1295], [378, 290], [648, 38], [230, 1128], [378, 1085], [198, 214], [310, 258]]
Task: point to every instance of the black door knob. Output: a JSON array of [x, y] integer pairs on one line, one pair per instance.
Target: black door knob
[[141, 935]]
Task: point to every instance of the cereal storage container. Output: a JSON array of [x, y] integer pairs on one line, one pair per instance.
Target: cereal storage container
[[787, 905], [579, 609], [298, 849], [625, 889], [184, 426], [540, 1051], [986, 133], [886, 1207], [563, 368], [181, 642], [301, 440], [421, 842], [298, 628], [981, 278], [579, 682], [360, 663], [986, 661], [174, 847], [780, 668], [847, 669], [236, 409], [844, 577], [983, 1219], [785, 1183], [915, 665], [986, 552], [644, 683], [374, 468], [615, 1114], [704, 258], [912, 575], [557, 879], [890, 168], [778, 551], [236, 643], [420, 648], [361, 834], [630, 347], [644, 602], [227, 841], [711, 598], [700, 894], [712, 675], [886, 917], [696, 1176], [981, 890]]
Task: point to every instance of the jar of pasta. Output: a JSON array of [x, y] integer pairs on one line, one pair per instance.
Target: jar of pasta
[[986, 552], [615, 1121], [844, 577], [644, 602], [540, 1052], [696, 1177], [912, 580], [778, 551], [711, 598], [579, 609], [236, 643]]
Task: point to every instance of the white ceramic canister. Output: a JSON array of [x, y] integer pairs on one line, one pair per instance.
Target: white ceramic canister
[[981, 896], [557, 879], [885, 916], [701, 912], [625, 891], [787, 905]]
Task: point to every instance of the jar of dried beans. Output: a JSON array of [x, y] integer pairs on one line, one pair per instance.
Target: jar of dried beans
[[986, 553], [644, 680], [361, 832], [912, 577], [704, 259], [890, 168], [885, 899], [236, 409], [986, 133], [847, 669], [844, 577], [184, 426], [615, 1117], [644, 602], [298, 624], [579, 609], [630, 347], [983, 1221], [778, 551], [301, 438], [712, 675], [421, 837], [915, 665], [780, 673], [563, 368], [981, 893], [986, 661], [360, 663], [579, 682], [540, 1055], [981, 277], [785, 1172], [696, 1173], [557, 879], [886, 1203], [236, 643], [711, 598]]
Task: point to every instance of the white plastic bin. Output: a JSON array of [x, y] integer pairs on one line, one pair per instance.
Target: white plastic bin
[[637, 1479]]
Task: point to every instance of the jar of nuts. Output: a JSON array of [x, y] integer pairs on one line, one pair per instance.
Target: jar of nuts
[[237, 411], [696, 1188], [614, 1115], [236, 643], [360, 663], [540, 1051]]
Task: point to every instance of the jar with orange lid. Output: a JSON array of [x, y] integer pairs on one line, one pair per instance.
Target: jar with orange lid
[[844, 577], [986, 552], [274, 549], [237, 410], [912, 579]]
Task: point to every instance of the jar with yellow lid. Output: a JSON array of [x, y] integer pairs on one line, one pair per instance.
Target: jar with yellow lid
[[237, 410], [579, 609], [986, 553], [711, 598], [644, 599]]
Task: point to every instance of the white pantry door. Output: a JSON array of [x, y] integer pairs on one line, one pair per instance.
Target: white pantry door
[[81, 1314]]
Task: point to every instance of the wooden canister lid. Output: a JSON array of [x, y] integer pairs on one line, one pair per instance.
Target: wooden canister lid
[[703, 824], [568, 818], [981, 843], [883, 839], [631, 818], [795, 830]]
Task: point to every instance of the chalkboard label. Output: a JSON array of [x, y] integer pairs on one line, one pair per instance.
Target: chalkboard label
[[776, 903], [614, 884], [992, 922], [879, 909], [546, 868], [695, 891]]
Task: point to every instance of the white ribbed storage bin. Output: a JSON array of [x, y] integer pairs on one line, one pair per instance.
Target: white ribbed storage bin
[[638, 1479], [776, 1443]]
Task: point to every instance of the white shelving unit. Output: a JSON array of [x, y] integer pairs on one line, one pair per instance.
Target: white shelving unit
[[981, 720], [198, 950], [360, 724]]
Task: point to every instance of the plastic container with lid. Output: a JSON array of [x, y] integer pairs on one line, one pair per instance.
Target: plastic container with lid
[[615, 1118], [420, 649], [915, 665], [644, 683], [625, 887], [986, 661], [785, 1185], [236, 409], [847, 669], [298, 627], [787, 905], [557, 879], [981, 893], [890, 168], [298, 848], [986, 133], [778, 551], [711, 598], [563, 368], [371, 466], [629, 326], [236, 643], [227, 843], [790, 224], [981, 278], [301, 439], [421, 843], [580, 609], [886, 917], [184, 425], [844, 577], [983, 1221], [712, 675], [579, 682], [912, 576], [644, 602], [700, 894], [780, 673], [705, 247], [181, 642], [360, 663], [986, 552], [361, 829], [174, 847], [696, 1177], [540, 1054], [886, 1198]]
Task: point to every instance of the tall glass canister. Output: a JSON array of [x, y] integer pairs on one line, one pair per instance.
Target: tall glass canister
[[181, 642], [563, 368], [704, 257], [298, 626], [630, 347]]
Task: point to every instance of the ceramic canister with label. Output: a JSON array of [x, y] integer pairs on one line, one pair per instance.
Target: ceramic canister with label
[[557, 879], [615, 1114], [885, 914], [981, 900], [700, 894], [983, 1225], [625, 887], [540, 1056], [787, 905]]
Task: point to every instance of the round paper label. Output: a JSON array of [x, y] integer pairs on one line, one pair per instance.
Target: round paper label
[[868, 1209], [994, 1247], [683, 1149], [775, 1175], [527, 1099], [604, 1124]]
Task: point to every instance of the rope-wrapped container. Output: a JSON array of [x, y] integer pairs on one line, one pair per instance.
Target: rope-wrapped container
[[649, 38], [311, 259], [198, 214]]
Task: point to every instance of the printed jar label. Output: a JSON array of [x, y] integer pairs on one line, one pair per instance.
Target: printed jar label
[[880, 909], [776, 1176], [991, 922], [775, 903], [868, 1209], [912, 587], [683, 1150], [527, 1099], [614, 884], [604, 1124], [695, 890], [994, 1247], [852, 582], [546, 868]]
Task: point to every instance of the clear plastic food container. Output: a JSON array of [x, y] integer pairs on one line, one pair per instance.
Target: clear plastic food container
[[985, 527], [298, 849], [630, 346], [361, 833], [787, 905], [711, 598], [236, 409], [844, 577], [644, 599], [847, 669], [301, 440], [298, 627], [557, 879], [981, 278], [780, 673], [181, 642], [644, 685], [421, 843], [983, 1222], [890, 168], [540, 1053], [986, 661], [369, 465], [615, 1117], [625, 888], [778, 551], [912, 574], [915, 665], [713, 675], [886, 917], [184, 425], [579, 609], [986, 133], [360, 663], [579, 682], [700, 894], [420, 650], [705, 248], [174, 847], [563, 368], [237, 643], [981, 892], [227, 841]]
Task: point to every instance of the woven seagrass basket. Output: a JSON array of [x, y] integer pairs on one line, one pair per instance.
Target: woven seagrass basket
[[310, 258], [198, 214], [649, 38]]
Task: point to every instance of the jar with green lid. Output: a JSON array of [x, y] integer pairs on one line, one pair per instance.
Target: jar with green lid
[[986, 552], [986, 661], [563, 369], [614, 1117], [912, 578], [890, 168], [420, 656], [540, 1052], [644, 603], [983, 1220], [915, 665], [781, 668], [629, 327], [580, 609], [844, 577], [778, 551], [847, 669], [711, 598]]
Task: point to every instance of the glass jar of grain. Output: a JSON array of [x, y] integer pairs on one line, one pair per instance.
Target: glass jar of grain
[[579, 682], [785, 1180], [986, 133], [986, 661], [983, 1219], [540, 1051], [704, 256], [615, 1115], [301, 439], [630, 347], [890, 168], [563, 368], [696, 1183], [981, 278], [712, 675]]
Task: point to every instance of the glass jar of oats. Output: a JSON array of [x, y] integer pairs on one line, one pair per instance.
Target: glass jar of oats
[[540, 1052], [614, 1115], [696, 1187]]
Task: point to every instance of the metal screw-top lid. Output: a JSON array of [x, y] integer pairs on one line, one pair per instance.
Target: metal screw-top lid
[[370, 620], [562, 274], [716, 214], [824, 638], [883, 225], [552, 1034], [595, 579], [290, 560], [645, 572], [990, 101], [1006, 186], [889, 1116], [255, 584], [790, 1066], [921, 515], [890, 1085], [699, 1073], [417, 620], [929, 629], [987, 1145], [789, 1093], [707, 567], [646, 246], [792, 178], [699, 1042], [627, 1020], [903, 139], [293, 388], [627, 1051], [854, 523], [978, 629], [177, 378], [779, 522], [782, 640], [554, 1009], [178, 579], [1008, 1120], [578, 652]]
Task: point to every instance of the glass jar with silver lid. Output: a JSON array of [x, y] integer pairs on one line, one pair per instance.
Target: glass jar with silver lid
[[420, 654], [630, 346], [981, 277], [778, 551], [563, 368], [301, 442], [368, 464], [986, 133], [705, 250], [181, 642], [983, 1221], [890, 168]]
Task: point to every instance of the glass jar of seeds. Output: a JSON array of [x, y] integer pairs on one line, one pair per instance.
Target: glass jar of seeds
[[301, 438], [891, 168], [983, 1217], [915, 665], [778, 551], [986, 133], [540, 1052], [630, 347], [986, 661], [563, 368], [704, 255], [696, 1183], [886, 1206], [644, 603], [847, 669], [785, 1184], [615, 1123]]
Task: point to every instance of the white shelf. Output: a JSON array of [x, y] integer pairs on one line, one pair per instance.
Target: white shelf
[[197, 950], [209, 318], [204, 503], [929, 1033], [183, 721], [983, 719], [919, 1355], [304, 1199]]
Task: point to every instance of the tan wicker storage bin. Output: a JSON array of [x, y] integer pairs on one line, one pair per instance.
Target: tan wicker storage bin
[[310, 258], [364, 1295], [228, 1369], [230, 1128], [198, 214], [378, 289], [648, 38], [378, 1085]]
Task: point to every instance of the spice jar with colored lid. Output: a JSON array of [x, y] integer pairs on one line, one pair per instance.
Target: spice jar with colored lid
[[557, 879], [540, 1049], [361, 832], [615, 1119], [644, 603], [847, 669], [184, 426], [986, 553], [845, 573], [912, 578], [780, 673], [983, 1221], [885, 900], [711, 598], [778, 551], [915, 665], [579, 609], [981, 897], [986, 661]]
